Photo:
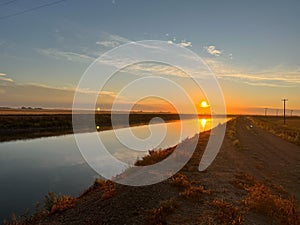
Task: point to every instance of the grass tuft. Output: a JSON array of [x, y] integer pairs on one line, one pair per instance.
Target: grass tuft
[[179, 180], [158, 215], [194, 192], [261, 199], [154, 157], [227, 213], [58, 203]]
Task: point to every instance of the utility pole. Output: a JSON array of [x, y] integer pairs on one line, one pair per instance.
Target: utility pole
[[284, 100], [266, 110], [277, 110]]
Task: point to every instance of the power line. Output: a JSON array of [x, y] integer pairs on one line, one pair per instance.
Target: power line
[[284, 100], [266, 110], [7, 3], [31, 9]]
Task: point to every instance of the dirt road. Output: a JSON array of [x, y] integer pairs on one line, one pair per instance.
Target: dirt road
[[269, 157]]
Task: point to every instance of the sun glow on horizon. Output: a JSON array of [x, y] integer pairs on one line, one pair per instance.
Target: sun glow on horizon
[[204, 104]]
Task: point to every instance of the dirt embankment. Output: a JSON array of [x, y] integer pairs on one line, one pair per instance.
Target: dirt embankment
[[252, 181]]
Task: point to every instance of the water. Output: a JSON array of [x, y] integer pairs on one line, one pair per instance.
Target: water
[[30, 169]]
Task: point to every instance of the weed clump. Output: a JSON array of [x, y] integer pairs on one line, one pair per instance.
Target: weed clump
[[158, 215], [194, 191], [261, 199], [179, 180], [58, 203], [154, 157], [227, 213], [109, 190]]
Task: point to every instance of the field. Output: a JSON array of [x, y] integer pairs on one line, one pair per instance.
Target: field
[[24, 124], [289, 131]]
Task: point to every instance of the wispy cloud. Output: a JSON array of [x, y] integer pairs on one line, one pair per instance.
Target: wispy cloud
[[6, 79], [159, 68], [112, 40], [12, 94], [212, 50], [274, 77], [3, 77], [108, 44], [72, 89], [155, 69], [66, 55]]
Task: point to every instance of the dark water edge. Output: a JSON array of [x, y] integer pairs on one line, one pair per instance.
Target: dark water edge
[[20, 127], [24, 203]]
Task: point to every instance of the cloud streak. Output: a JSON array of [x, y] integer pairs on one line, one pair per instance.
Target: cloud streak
[[66, 55], [3, 77], [83, 54], [112, 41], [278, 77], [6, 79], [108, 44], [41, 95]]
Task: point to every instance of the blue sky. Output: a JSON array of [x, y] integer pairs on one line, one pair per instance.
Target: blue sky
[[252, 46]]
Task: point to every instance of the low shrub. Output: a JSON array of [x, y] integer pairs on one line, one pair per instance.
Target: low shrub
[[58, 203], [227, 213]]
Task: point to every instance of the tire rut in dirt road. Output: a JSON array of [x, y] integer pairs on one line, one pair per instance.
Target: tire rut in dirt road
[[274, 158]]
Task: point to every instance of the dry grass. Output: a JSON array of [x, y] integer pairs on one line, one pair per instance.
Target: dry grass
[[34, 111], [262, 200], [58, 203], [232, 134], [108, 187], [194, 192], [236, 142], [289, 132], [99, 184], [154, 157], [53, 204], [227, 213], [179, 180], [12, 221], [243, 181], [109, 190], [158, 215]]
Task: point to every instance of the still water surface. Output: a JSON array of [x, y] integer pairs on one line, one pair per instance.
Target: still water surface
[[30, 169]]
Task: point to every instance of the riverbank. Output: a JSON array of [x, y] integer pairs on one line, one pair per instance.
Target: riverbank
[[254, 180], [25, 124]]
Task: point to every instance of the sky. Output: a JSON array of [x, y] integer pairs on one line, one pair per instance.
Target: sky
[[251, 46]]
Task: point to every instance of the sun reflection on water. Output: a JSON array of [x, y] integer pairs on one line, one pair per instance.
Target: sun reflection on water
[[203, 123]]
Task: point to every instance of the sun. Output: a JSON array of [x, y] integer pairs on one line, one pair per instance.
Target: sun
[[204, 104]]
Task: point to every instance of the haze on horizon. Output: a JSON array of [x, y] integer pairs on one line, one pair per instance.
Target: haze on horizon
[[252, 47]]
